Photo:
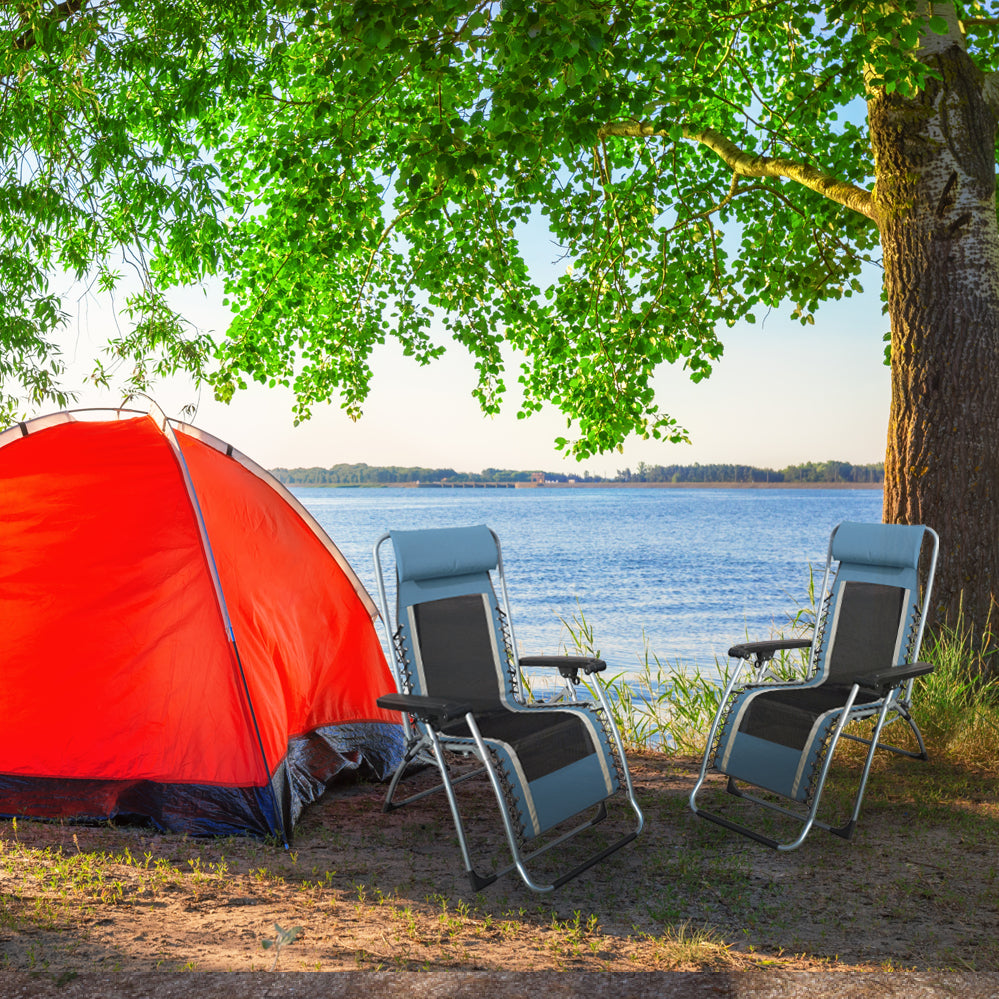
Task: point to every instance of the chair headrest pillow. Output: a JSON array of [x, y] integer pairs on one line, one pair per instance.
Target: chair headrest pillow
[[442, 552], [878, 544]]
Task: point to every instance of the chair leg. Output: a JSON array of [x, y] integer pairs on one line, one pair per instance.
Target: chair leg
[[901, 712], [412, 751], [519, 859], [447, 784], [459, 826], [906, 715], [874, 744], [391, 805], [431, 744]]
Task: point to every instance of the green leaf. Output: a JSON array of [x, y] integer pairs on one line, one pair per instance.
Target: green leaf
[[352, 173]]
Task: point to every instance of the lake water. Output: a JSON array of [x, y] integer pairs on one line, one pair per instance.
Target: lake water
[[690, 571]]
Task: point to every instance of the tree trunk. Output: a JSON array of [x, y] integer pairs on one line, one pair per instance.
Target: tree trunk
[[935, 199]]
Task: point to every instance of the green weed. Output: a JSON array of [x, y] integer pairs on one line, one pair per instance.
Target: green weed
[[662, 706], [668, 707], [957, 711], [283, 937]]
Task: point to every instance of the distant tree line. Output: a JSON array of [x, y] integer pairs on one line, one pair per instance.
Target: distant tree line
[[825, 471], [369, 475]]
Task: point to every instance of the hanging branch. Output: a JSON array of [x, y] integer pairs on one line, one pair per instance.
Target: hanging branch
[[747, 165]]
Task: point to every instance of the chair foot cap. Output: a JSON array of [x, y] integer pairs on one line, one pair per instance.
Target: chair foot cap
[[478, 882]]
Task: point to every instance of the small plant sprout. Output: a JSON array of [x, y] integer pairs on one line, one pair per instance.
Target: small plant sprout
[[282, 939]]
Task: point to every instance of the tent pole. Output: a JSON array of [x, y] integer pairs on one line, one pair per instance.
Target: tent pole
[[164, 424]]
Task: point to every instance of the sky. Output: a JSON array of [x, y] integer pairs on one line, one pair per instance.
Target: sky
[[781, 394]]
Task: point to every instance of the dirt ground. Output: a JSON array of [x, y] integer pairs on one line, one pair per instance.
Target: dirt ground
[[916, 890]]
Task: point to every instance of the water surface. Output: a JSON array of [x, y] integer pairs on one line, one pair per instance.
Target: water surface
[[691, 571]]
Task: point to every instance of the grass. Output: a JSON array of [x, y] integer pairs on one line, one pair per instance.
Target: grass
[[662, 707], [689, 896], [958, 711], [685, 946], [668, 707]]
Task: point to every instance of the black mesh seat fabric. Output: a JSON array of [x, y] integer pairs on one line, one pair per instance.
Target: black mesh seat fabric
[[543, 741], [458, 660], [788, 717]]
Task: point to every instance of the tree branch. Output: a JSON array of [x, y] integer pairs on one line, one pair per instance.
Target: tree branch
[[61, 12], [746, 165]]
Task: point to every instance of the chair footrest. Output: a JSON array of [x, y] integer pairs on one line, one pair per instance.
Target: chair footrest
[[595, 859], [736, 827]]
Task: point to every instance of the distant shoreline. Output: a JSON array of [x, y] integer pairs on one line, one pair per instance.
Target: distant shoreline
[[587, 485]]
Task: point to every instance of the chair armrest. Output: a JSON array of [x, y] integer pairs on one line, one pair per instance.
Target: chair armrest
[[568, 666], [764, 651], [429, 709], [895, 677]]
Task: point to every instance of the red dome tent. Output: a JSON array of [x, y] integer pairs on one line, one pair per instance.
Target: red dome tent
[[181, 643]]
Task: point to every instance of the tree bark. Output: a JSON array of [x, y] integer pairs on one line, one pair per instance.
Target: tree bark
[[935, 205]]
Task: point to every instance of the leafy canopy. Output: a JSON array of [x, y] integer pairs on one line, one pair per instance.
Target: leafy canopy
[[355, 172]]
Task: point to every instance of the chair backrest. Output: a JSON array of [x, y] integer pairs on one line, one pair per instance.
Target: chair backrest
[[450, 629], [872, 617]]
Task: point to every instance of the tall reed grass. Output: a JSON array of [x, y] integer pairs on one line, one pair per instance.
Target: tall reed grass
[[659, 706], [957, 705], [668, 707]]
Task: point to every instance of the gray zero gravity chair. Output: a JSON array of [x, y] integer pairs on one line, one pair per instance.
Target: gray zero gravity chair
[[781, 736], [459, 691]]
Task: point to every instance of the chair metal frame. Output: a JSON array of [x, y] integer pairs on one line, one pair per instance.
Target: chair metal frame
[[422, 715], [893, 685]]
